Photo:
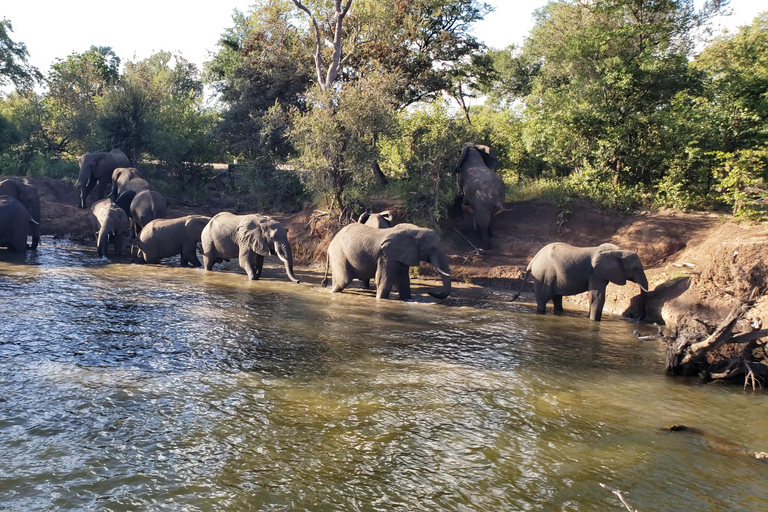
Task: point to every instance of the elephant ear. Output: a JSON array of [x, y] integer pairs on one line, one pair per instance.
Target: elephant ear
[[386, 215], [251, 234], [463, 156], [608, 266], [402, 246], [363, 217], [489, 156]]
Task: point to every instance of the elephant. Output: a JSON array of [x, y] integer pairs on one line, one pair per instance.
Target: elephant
[[96, 168], [249, 238], [163, 238], [362, 252], [127, 178], [14, 224], [376, 220], [29, 197], [561, 269], [479, 187], [109, 222], [142, 207]]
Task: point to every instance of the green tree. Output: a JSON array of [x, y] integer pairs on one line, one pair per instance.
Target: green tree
[[14, 67]]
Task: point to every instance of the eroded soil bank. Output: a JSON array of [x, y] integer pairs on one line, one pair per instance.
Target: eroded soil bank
[[698, 265]]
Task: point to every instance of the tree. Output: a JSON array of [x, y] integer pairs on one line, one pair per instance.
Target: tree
[[14, 67]]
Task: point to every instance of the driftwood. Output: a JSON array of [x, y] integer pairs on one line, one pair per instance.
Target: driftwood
[[691, 353], [618, 495]]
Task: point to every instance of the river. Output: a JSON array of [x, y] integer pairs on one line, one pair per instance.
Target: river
[[128, 387]]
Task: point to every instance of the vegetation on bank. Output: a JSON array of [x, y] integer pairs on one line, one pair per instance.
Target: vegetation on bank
[[617, 102]]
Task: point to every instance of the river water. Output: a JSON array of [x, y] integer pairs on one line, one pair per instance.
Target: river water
[[126, 387]]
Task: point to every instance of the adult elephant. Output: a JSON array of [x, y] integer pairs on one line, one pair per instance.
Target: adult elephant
[[96, 169], [163, 238], [14, 224], [127, 178], [248, 238], [560, 269], [142, 207], [479, 187], [362, 252], [376, 220], [29, 197], [109, 223]]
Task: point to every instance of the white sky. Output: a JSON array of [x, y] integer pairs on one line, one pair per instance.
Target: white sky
[[135, 29]]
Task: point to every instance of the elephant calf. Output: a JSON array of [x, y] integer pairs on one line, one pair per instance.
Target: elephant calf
[[249, 238], [163, 238], [109, 222], [14, 224], [560, 269], [362, 252]]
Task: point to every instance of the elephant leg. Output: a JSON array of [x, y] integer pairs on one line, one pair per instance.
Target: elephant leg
[[85, 190], [386, 276], [258, 265], [208, 261], [596, 303], [101, 187], [404, 284], [366, 283], [190, 258], [342, 277], [557, 301], [246, 263], [118, 245], [541, 298]]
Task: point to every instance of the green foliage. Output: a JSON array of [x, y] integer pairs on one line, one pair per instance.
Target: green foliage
[[12, 164], [742, 177], [13, 60]]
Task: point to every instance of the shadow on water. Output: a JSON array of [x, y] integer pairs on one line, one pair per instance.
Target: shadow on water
[[149, 387]]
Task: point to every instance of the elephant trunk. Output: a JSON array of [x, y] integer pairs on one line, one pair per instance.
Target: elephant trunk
[[642, 282], [101, 242], [441, 264], [283, 251]]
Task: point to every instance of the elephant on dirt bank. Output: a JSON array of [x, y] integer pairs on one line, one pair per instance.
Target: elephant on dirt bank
[[109, 223], [362, 252], [96, 168], [479, 187], [14, 224], [28, 196], [248, 238], [163, 238], [561, 269]]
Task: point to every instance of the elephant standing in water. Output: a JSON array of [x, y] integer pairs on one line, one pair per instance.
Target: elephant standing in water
[[163, 238], [560, 269], [248, 238], [109, 223], [28, 196], [362, 252], [379, 220], [142, 208], [96, 168], [14, 224], [479, 187]]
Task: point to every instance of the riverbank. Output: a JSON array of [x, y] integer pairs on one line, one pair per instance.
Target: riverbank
[[698, 264]]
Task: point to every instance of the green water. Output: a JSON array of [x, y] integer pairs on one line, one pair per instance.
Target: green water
[[126, 387]]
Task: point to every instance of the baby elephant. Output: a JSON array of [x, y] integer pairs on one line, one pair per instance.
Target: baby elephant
[[561, 269], [109, 222], [163, 238]]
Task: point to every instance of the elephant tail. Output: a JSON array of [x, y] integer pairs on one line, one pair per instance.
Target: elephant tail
[[522, 285], [324, 282]]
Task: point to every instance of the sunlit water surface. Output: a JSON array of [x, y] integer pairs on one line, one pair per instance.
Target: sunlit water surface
[[127, 387]]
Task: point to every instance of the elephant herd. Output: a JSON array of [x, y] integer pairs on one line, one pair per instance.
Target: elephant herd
[[372, 248]]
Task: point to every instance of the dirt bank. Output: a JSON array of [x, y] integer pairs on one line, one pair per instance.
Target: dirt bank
[[697, 264]]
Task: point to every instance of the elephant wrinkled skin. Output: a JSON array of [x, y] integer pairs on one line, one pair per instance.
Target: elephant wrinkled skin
[[96, 168], [479, 187], [560, 269], [14, 224], [163, 238], [248, 238], [28, 196], [109, 223], [362, 252]]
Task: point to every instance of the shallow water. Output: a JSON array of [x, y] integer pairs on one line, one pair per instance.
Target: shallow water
[[151, 387]]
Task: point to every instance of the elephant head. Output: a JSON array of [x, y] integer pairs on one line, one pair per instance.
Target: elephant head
[[96, 168], [376, 220], [264, 236], [410, 244], [113, 223], [470, 151], [619, 267], [120, 177]]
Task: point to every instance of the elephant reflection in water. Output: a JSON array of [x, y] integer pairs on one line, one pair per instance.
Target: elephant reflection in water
[[560, 269]]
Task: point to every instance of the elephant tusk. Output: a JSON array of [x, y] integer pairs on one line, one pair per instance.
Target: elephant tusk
[[33, 221], [277, 251], [442, 273], [642, 287]]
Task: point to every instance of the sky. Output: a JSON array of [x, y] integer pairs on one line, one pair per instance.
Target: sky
[[138, 28]]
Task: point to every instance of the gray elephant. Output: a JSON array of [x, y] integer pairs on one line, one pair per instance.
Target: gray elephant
[[560, 269], [362, 252], [163, 238], [109, 223], [96, 168], [377, 220], [29, 197], [479, 187], [14, 224], [248, 238], [127, 178], [142, 208]]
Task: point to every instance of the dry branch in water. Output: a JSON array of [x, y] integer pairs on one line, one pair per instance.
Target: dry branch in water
[[619, 495]]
